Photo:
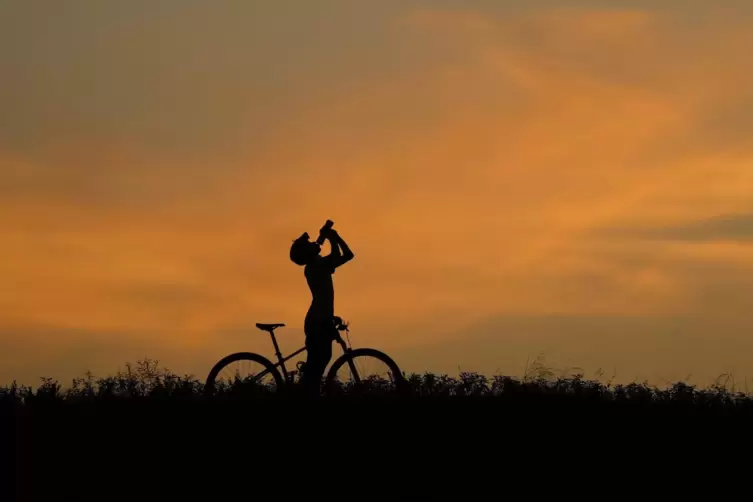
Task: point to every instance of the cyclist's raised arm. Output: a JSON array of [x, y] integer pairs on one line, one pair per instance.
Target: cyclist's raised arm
[[335, 252], [340, 254]]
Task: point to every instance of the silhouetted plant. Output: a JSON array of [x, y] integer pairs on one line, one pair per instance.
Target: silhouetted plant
[[147, 381]]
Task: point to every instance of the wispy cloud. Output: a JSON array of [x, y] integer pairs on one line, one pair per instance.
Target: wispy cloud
[[471, 153], [729, 227]]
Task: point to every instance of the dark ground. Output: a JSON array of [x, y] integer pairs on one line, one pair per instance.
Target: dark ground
[[149, 435]]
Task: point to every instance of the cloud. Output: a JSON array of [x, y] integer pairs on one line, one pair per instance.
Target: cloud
[[729, 227], [29, 352], [472, 158], [659, 349]]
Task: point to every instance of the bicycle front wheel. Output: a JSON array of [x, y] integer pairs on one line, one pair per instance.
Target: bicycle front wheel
[[243, 370], [363, 370]]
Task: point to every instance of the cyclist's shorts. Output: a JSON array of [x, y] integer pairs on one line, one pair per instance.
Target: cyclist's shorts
[[324, 328]]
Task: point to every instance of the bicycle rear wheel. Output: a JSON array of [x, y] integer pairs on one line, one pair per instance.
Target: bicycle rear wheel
[[243, 370], [363, 370]]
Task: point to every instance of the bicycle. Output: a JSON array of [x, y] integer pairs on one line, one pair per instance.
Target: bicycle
[[288, 377]]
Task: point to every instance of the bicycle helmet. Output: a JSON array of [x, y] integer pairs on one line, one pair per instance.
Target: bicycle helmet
[[302, 249]]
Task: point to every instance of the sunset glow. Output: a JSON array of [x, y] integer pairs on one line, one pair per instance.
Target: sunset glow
[[513, 180]]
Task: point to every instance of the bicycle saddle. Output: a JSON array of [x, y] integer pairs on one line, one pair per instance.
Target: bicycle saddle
[[269, 327]]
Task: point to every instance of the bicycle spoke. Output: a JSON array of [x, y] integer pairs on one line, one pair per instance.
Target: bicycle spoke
[[245, 372], [364, 371]]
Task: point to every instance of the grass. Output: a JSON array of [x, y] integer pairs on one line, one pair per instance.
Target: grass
[[147, 382], [147, 427]]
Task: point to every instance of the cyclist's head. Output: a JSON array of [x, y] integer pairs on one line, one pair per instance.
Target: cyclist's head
[[303, 250]]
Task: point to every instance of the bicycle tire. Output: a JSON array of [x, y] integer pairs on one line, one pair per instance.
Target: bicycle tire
[[241, 356], [399, 380]]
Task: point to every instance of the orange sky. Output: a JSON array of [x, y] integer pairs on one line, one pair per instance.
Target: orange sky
[[513, 180]]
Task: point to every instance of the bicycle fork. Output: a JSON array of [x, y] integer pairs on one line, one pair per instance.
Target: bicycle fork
[[351, 364]]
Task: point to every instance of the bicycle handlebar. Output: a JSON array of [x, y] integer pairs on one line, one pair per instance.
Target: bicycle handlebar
[[339, 324]]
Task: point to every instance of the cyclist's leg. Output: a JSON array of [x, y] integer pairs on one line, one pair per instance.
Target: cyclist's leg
[[319, 354]]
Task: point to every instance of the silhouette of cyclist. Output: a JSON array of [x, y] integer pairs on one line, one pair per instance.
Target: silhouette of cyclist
[[319, 325]]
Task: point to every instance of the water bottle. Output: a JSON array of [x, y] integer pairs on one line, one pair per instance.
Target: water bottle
[[323, 232]]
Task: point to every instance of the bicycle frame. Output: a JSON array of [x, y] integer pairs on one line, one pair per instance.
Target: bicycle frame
[[283, 376], [287, 376]]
